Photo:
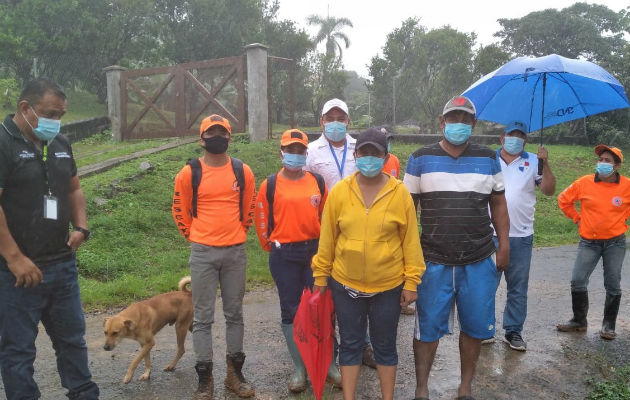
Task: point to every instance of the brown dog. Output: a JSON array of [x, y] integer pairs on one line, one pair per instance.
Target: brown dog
[[142, 320]]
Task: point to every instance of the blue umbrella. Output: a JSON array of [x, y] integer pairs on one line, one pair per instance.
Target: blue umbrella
[[545, 91]]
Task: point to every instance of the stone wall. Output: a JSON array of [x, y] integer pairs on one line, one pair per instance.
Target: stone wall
[[78, 130], [482, 139]]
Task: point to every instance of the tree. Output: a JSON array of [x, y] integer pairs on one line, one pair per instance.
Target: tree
[[330, 33], [431, 66], [489, 58], [325, 79], [586, 31]]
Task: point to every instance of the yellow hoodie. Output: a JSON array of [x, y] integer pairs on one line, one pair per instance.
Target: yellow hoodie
[[370, 250]]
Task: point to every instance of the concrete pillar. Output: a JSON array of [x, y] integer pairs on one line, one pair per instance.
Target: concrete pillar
[[114, 110], [257, 101]]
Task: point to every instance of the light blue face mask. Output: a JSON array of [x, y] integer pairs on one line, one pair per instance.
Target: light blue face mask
[[457, 133], [293, 161], [513, 145], [46, 129], [335, 131], [369, 166], [604, 169]]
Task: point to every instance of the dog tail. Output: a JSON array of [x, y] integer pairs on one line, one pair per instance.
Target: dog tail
[[184, 284]]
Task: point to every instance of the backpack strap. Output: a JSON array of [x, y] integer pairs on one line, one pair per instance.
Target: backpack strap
[[321, 185], [271, 190], [239, 173], [237, 167], [195, 167]]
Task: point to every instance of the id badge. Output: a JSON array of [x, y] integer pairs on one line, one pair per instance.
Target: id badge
[[50, 207]]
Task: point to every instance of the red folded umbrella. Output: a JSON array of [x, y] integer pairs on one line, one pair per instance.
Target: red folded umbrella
[[313, 332]]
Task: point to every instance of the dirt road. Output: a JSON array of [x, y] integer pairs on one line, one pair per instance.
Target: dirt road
[[554, 367]]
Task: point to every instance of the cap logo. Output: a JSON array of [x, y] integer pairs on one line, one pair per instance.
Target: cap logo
[[459, 101], [296, 135], [215, 117]]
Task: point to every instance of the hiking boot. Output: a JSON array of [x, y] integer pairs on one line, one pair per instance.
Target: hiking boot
[[488, 341], [579, 301], [368, 357], [205, 390], [611, 308], [515, 341], [297, 382], [234, 379]]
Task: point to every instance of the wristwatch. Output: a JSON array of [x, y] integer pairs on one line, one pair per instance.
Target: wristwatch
[[86, 233]]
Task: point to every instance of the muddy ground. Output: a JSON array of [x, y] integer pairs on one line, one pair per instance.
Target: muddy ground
[[555, 365]]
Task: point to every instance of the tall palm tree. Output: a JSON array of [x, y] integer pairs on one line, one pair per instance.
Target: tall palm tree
[[330, 31]]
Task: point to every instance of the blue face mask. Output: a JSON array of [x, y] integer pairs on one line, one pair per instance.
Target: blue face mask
[[604, 169], [46, 129], [369, 166], [335, 131], [457, 133], [513, 145], [293, 161]]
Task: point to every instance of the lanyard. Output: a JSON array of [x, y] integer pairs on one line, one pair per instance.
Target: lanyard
[[343, 160], [45, 166]]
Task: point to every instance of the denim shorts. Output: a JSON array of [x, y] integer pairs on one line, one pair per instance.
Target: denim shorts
[[472, 287], [381, 310]]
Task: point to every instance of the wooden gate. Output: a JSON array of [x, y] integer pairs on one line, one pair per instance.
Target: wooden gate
[[172, 101]]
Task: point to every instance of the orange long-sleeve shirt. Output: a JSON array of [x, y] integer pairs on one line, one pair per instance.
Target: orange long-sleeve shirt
[[392, 166], [218, 215], [297, 208], [604, 206]]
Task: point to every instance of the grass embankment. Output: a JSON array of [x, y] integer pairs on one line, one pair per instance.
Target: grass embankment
[[136, 251]]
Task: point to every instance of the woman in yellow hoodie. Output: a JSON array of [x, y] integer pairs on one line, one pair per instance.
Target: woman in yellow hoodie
[[369, 253]]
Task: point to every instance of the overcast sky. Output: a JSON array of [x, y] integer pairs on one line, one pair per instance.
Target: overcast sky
[[373, 20]]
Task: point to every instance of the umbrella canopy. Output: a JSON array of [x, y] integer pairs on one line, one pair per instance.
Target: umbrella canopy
[[545, 91], [313, 332]]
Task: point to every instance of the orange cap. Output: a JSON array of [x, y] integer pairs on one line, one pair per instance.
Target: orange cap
[[599, 149], [294, 136], [214, 120]]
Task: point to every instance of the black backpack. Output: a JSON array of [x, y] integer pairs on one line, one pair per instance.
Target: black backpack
[[271, 190], [237, 167]]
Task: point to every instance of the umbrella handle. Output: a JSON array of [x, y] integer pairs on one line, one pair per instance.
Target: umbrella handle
[[540, 166]]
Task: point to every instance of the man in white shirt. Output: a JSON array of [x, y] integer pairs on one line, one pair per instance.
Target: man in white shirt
[[520, 174], [332, 154]]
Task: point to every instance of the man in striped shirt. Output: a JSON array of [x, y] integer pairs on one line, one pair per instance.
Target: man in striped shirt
[[455, 181]]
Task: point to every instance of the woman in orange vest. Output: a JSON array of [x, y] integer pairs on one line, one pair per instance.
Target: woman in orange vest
[[604, 199]]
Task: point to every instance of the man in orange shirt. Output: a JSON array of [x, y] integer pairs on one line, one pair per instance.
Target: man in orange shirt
[[215, 218], [604, 199], [288, 220], [392, 164]]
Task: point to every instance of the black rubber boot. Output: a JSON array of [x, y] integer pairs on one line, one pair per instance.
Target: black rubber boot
[[205, 390], [580, 310], [611, 308], [234, 379]]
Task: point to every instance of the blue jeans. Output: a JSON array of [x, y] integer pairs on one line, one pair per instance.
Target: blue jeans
[[611, 251], [290, 267], [517, 279], [56, 303], [382, 311]]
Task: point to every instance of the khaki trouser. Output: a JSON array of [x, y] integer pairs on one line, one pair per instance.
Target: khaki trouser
[[209, 267]]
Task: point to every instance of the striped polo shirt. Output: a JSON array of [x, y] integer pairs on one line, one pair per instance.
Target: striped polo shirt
[[454, 194]]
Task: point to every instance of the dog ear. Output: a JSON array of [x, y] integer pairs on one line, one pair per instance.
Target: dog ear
[[129, 324], [105, 321]]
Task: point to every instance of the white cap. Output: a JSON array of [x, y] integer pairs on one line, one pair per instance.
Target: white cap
[[335, 103]]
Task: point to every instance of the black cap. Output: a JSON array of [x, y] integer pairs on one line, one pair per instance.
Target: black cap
[[373, 136]]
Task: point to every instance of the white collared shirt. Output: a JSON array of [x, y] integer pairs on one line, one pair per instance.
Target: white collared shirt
[[321, 161], [521, 178]]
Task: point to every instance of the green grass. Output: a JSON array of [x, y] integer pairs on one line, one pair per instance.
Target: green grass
[[82, 105], [613, 386], [137, 252]]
